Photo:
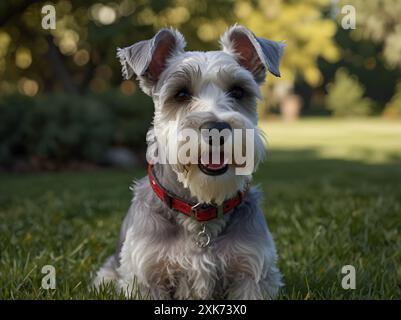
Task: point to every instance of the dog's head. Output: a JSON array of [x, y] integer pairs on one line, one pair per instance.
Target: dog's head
[[205, 122]]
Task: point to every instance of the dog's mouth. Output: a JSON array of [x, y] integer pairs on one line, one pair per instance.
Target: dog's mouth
[[212, 168]]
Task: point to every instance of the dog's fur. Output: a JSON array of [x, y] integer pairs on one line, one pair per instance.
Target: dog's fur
[[156, 250]]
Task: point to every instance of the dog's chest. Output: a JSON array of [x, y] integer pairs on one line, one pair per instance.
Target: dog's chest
[[185, 250], [176, 261], [193, 271]]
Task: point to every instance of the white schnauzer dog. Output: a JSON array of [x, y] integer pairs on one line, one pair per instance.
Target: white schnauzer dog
[[195, 230]]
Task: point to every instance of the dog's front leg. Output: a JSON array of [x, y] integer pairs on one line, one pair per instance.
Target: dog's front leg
[[133, 289], [243, 287], [196, 280]]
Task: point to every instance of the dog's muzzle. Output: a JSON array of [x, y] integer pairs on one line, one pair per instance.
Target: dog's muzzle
[[214, 132]]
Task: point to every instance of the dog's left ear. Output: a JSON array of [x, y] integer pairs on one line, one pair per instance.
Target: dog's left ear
[[255, 54]]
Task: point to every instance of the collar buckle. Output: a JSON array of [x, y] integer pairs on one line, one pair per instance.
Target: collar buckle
[[194, 210]]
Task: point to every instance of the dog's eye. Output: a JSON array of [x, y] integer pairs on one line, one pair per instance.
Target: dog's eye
[[236, 92], [182, 95]]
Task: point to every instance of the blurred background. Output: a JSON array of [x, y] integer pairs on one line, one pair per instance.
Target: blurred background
[[63, 103], [72, 137]]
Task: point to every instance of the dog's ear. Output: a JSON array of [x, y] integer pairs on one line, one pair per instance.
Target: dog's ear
[[255, 54], [147, 59]]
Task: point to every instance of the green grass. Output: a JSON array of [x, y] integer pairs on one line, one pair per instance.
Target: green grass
[[332, 197]]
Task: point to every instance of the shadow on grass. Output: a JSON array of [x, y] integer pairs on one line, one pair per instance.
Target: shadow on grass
[[297, 166]]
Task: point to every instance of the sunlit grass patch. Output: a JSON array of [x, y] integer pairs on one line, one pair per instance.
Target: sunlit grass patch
[[369, 140]]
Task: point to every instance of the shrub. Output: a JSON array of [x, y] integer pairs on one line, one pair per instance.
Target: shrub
[[345, 96], [63, 128], [393, 107], [131, 117], [12, 110]]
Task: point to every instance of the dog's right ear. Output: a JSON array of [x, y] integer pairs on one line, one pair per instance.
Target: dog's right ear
[[147, 59]]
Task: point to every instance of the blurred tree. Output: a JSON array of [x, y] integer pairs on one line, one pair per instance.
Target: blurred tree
[[309, 34], [302, 24], [362, 58], [345, 96], [80, 53], [393, 107], [379, 21]]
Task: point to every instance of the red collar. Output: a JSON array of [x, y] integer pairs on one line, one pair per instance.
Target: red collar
[[201, 212]]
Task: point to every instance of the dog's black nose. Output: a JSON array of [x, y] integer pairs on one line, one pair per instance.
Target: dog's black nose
[[219, 126]]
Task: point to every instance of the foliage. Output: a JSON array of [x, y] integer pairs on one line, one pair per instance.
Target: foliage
[[380, 22], [302, 25], [131, 117], [375, 50], [80, 53], [345, 96], [393, 107], [71, 127], [363, 59]]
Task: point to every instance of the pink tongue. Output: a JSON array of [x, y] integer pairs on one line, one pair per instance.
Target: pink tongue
[[215, 166]]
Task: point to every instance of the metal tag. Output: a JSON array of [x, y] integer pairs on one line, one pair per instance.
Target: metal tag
[[202, 239]]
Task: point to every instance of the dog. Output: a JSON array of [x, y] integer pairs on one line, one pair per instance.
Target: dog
[[196, 230]]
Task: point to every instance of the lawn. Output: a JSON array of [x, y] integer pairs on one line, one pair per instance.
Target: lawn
[[332, 198]]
